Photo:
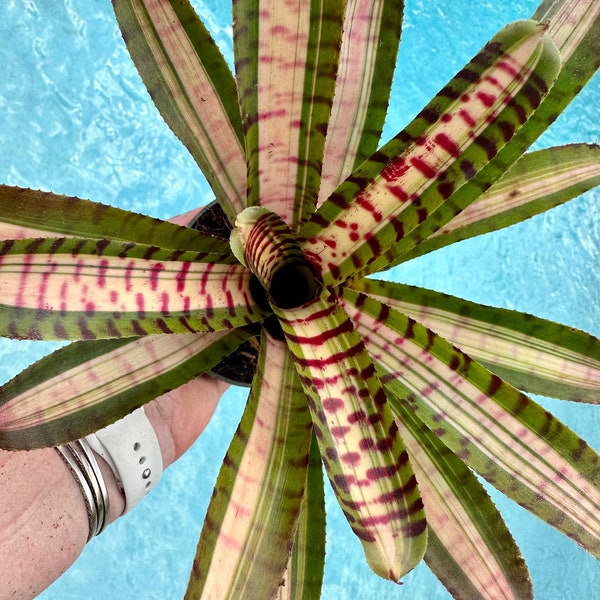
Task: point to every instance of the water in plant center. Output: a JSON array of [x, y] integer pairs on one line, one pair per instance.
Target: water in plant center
[[77, 120]]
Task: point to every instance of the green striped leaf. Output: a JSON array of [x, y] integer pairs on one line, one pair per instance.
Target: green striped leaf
[[87, 385], [533, 354], [368, 54], [303, 577], [536, 183], [70, 288], [192, 87], [246, 539], [369, 219], [506, 437], [286, 58], [28, 213], [470, 549]]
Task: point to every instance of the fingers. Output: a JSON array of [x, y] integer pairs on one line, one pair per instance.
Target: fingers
[[185, 218], [180, 416]]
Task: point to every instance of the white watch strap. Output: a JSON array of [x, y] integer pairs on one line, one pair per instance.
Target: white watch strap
[[131, 449]]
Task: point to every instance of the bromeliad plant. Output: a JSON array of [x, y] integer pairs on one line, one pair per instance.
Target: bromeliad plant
[[400, 392]]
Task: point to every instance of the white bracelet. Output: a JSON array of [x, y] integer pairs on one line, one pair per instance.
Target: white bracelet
[[131, 449]]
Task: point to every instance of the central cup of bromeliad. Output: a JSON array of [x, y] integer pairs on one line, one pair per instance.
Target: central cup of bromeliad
[[282, 277]]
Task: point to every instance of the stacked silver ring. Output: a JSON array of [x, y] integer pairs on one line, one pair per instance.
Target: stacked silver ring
[[81, 461]]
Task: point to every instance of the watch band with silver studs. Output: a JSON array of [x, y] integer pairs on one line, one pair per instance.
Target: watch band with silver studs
[[131, 449]]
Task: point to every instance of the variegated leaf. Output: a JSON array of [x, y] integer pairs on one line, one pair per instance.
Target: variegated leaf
[[537, 182], [192, 87], [87, 385], [286, 60], [574, 27], [303, 577], [246, 539], [368, 54], [371, 217], [470, 549], [71, 288], [533, 354], [28, 213], [506, 437], [365, 459]]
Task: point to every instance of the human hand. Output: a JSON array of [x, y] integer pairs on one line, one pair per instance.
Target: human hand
[[43, 518]]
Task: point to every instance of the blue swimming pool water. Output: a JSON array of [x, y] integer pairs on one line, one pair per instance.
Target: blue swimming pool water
[[75, 119]]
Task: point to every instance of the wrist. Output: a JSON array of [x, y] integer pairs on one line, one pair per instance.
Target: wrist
[[122, 461], [43, 520]]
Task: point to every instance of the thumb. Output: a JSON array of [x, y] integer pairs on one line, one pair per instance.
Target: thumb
[[180, 416]]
